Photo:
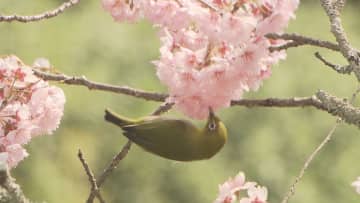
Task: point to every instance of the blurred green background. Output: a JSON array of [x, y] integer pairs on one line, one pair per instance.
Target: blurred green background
[[268, 144]]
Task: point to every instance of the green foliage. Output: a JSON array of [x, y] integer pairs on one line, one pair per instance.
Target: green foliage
[[268, 144]]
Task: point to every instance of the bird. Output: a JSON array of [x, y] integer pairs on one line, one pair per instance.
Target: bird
[[174, 139]]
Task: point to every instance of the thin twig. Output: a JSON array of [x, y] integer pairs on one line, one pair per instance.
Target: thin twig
[[82, 81], [121, 155], [114, 162], [124, 151], [285, 46], [209, 5], [315, 152], [299, 40], [45, 15], [340, 69], [163, 108], [308, 161], [107, 171], [92, 180]]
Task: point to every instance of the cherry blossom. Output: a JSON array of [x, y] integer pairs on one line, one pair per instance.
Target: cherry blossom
[[230, 190], [122, 10], [29, 107], [356, 184], [212, 51], [41, 63], [256, 194]]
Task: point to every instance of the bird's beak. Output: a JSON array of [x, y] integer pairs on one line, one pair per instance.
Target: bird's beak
[[211, 113]]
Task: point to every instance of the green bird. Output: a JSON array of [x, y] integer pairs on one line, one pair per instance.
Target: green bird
[[174, 139]]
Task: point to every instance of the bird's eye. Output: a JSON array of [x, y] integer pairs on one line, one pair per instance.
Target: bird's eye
[[212, 126]]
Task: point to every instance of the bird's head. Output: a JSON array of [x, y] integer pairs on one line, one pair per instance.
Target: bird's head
[[215, 131], [213, 122]]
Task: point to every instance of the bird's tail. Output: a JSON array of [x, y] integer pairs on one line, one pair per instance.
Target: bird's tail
[[117, 119]]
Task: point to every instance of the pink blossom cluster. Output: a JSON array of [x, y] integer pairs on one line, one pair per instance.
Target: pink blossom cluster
[[356, 184], [212, 50], [29, 107], [230, 191]]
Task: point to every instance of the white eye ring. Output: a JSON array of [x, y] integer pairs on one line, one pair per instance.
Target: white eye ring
[[212, 126]]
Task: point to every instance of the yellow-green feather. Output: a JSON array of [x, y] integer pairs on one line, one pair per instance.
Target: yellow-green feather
[[171, 138]]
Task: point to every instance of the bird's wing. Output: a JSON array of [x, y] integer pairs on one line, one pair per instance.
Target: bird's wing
[[157, 132]]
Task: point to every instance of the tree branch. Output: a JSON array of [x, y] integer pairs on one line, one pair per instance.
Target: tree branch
[[92, 180], [82, 81], [352, 55], [107, 171], [269, 102], [163, 108], [45, 15], [10, 192], [276, 102], [340, 69], [299, 40], [337, 28], [339, 107], [160, 97], [208, 5], [114, 162], [339, 5]]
